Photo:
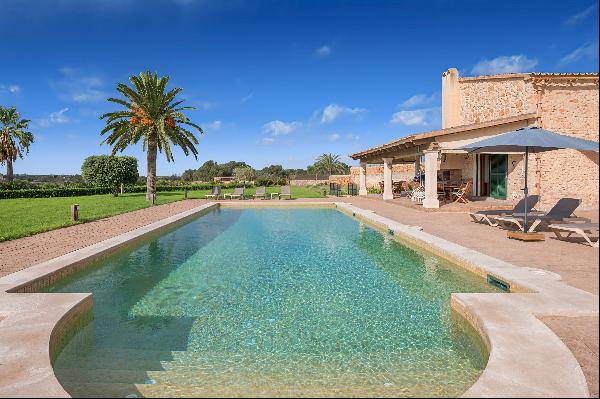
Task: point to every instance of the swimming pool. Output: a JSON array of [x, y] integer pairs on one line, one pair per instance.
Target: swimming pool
[[271, 302]]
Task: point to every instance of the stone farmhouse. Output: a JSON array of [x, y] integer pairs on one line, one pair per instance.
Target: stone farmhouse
[[474, 108]]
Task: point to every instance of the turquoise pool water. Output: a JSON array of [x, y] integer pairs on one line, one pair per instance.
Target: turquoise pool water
[[271, 302]]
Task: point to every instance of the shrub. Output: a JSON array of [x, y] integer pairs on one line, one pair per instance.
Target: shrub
[[270, 180], [15, 185], [95, 190], [110, 171]]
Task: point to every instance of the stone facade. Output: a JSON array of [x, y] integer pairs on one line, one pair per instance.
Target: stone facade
[[484, 99], [563, 103]]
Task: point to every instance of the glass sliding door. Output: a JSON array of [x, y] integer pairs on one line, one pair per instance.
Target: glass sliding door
[[498, 175]]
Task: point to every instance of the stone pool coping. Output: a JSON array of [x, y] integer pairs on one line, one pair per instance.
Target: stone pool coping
[[526, 358]]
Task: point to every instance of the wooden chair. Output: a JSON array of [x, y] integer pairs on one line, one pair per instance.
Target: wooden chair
[[441, 192], [397, 188], [463, 193]]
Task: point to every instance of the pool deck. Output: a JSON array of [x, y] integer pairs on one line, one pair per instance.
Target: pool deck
[[577, 264]]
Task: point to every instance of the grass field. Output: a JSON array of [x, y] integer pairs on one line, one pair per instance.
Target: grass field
[[26, 216]]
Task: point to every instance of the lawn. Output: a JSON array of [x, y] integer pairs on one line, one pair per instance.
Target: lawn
[[26, 216]]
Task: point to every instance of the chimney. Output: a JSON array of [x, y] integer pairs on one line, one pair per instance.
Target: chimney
[[450, 99]]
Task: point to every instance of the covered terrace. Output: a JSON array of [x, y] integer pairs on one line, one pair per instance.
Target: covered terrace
[[436, 152]]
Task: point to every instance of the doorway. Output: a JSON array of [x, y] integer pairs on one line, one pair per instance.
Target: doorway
[[492, 175]]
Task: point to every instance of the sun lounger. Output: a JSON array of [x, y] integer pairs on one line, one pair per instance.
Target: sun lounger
[[261, 192], [582, 229], [489, 216], [285, 192], [237, 193], [560, 213], [215, 193]]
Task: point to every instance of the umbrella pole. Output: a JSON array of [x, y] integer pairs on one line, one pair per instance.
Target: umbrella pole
[[526, 189]]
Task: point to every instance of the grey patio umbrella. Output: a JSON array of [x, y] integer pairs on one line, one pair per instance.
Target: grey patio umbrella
[[530, 139]]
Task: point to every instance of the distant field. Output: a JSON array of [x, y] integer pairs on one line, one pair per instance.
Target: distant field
[[26, 216]]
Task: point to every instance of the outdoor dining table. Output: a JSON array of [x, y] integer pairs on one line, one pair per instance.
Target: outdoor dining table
[[447, 188]]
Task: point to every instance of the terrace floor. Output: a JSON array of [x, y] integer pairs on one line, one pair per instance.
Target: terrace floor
[[576, 263]]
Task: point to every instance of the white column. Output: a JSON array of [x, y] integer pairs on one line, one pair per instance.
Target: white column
[[431, 198], [388, 193], [362, 179]]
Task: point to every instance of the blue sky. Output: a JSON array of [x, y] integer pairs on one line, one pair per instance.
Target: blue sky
[[274, 81]]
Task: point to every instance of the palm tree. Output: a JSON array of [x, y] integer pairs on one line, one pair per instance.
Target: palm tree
[[331, 164], [15, 139], [152, 115]]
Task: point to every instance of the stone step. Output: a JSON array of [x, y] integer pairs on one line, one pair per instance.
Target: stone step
[[163, 390], [134, 359]]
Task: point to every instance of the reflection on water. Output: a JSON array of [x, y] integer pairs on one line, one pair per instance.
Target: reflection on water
[[271, 302]]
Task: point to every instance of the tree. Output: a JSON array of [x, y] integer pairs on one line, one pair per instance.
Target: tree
[[244, 173], [152, 115], [110, 171], [15, 138], [330, 164]]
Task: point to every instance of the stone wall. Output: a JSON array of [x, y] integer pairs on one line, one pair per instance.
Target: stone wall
[[567, 104], [485, 99], [309, 182], [375, 175]]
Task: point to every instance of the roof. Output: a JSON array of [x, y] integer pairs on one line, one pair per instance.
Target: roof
[[413, 138], [531, 74]]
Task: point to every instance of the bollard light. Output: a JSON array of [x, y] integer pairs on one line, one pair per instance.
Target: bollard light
[[75, 212]]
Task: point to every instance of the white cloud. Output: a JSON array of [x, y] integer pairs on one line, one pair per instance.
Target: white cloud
[[574, 19], [267, 140], [334, 111], [416, 117], [278, 128], [504, 64], [215, 125], [55, 118], [249, 97], [334, 137], [12, 88], [323, 51], [206, 105], [418, 100], [79, 87], [587, 51]]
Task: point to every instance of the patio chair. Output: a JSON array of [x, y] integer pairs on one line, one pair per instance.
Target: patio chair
[[441, 192], [238, 192], [215, 193], [406, 190], [285, 192], [463, 193], [261, 192], [397, 188], [418, 194], [582, 229], [489, 216], [561, 212]]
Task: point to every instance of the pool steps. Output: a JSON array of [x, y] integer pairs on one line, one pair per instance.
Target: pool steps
[[183, 373]]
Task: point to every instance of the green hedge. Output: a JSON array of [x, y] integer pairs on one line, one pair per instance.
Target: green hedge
[[81, 191]]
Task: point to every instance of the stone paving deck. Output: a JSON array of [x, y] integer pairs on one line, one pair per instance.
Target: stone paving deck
[[576, 263]]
